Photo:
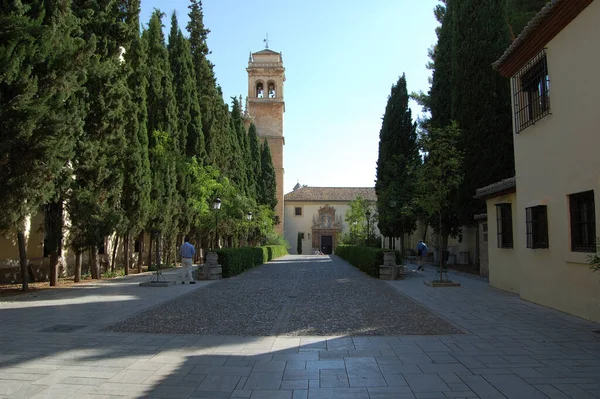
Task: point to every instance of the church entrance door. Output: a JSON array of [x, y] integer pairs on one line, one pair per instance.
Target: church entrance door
[[327, 244]]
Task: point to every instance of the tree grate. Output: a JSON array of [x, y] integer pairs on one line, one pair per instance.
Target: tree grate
[[62, 328]]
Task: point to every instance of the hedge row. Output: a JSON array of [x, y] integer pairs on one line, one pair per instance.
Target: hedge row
[[367, 259], [234, 261]]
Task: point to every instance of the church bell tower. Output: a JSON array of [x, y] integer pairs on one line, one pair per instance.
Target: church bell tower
[[265, 108]]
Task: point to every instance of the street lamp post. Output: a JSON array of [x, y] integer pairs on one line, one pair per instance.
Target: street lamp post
[[249, 218], [368, 215], [216, 207]]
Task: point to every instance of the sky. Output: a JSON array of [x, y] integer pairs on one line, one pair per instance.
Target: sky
[[341, 58]]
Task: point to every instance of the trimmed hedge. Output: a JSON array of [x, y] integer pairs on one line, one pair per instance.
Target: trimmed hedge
[[234, 261], [367, 259]]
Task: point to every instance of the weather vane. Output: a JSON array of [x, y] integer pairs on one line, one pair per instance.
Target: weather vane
[[266, 40]]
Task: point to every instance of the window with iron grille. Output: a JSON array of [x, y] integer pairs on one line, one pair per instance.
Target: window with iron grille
[[537, 226], [298, 211], [531, 92], [504, 219], [583, 222]]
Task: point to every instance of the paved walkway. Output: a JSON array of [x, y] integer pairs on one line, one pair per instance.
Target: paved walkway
[[511, 349]]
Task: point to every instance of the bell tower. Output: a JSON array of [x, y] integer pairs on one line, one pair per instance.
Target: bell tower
[[265, 108]]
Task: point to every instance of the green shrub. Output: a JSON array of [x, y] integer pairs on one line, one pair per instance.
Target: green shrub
[[367, 259], [276, 251], [109, 274], [234, 261]]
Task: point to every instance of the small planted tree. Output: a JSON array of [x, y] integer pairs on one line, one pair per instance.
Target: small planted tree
[[360, 227], [299, 247], [594, 259], [440, 176]]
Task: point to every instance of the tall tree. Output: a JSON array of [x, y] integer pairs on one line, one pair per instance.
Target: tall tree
[[268, 182], [255, 156], [94, 205], [208, 96], [246, 175], [186, 92], [440, 95], [137, 175], [397, 165], [43, 61], [163, 133], [480, 97], [520, 12]]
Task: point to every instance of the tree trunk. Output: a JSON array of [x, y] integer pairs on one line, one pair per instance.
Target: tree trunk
[[477, 247], [53, 268], [77, 265], [126, 253], [150, 251], [402, 248], [139, 260], [23, 259], [94, 269], [441, 247], [157, 251], [114, 254], [425, 232], [53, 223]]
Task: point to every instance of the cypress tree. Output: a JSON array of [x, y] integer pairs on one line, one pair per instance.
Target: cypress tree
[[185, 88], [95, 201], [246, 171], [209, 98], [396, 167], [520, 12], [480, 98], [163, 133], [237, 170], [268, 182], [440, 99], [43, 62], [255, 155], [137, 176]]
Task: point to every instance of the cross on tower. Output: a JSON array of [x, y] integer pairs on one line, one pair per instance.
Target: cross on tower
[[266, 41]]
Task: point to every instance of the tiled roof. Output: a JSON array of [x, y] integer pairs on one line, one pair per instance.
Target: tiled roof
[[531, 26], [497, 187], [542, 28], [331, 194]]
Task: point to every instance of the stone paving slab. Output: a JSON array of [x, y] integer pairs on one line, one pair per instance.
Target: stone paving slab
[[512, 349]]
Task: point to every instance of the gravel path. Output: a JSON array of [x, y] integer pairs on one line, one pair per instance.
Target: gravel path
[[294, 295]]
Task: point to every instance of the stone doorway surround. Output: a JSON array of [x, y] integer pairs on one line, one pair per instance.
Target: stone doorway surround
[[326, 224]]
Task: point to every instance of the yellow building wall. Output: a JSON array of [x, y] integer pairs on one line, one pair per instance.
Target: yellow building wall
[[556, 157], [504, 265]]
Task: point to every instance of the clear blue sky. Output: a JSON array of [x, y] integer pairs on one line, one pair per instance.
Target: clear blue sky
[[341, 59]]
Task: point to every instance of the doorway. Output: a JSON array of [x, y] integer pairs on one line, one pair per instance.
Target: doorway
[[327, 245]]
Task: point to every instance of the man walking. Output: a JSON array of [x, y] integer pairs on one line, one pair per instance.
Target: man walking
[[187, 252], [421, 252]]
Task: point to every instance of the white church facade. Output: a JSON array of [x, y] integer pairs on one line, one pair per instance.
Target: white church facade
[[317, 214]]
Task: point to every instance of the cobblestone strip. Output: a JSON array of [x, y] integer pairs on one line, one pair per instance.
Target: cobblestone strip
[[283, 319]]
